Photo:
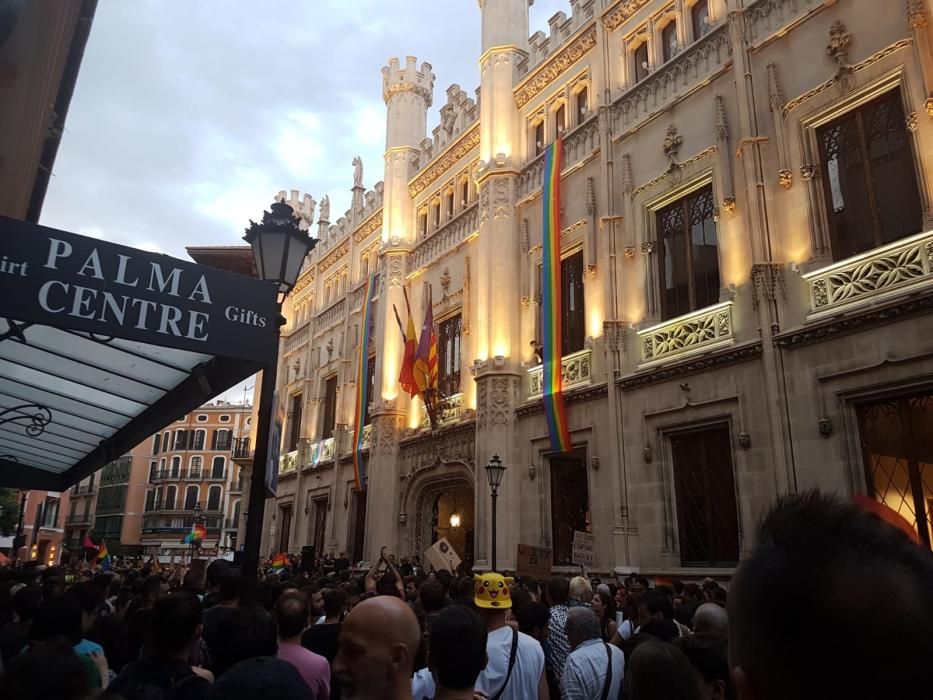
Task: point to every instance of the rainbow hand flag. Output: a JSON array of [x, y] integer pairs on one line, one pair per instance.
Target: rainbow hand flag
[[554, 409], [279, 561], [197, 534], [103, 556], [362, 387]]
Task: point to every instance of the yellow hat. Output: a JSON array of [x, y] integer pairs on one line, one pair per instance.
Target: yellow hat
[[492, 591]]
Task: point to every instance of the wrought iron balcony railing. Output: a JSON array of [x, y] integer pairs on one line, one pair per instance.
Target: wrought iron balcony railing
[[700, 331], [576, 370], [891, 270]]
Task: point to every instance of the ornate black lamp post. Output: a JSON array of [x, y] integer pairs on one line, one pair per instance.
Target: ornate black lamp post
[[495, 470], [279, 247]]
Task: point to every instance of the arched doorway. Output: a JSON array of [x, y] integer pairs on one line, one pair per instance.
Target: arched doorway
[[444, 507]]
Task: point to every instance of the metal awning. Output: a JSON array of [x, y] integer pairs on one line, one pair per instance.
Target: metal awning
[[102, 345]]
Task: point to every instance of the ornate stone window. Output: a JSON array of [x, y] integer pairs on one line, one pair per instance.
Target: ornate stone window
[[537, 137], [581, 102], [448, 355], [450, 201], [364, 266], [423, 222], [688, 254], [371, 380], [869, 180], [642, 66], [573, 316], [560, 119], [329, 415], [436, 212], [700, 20], [464, 191]]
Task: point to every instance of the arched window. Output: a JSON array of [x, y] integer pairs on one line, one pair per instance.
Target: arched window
[[327, 294], [538, 137], [176, 466], [217, 468], [423, 223], [213, 498], [156, 442], [450, 202], [158, 498], [582, 99], [464, 192], [699, 15], [436, 213], [194, 468], [669, 45], [641, 62], [191, 497], [199, 436], [171, 493]]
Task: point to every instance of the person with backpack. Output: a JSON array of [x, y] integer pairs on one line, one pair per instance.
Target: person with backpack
[[164, 673], [594, 669]]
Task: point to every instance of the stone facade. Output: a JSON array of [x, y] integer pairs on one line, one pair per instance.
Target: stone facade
[[691, 407]]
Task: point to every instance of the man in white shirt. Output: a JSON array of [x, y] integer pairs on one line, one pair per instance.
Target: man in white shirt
[[515, 661], [587, 670]]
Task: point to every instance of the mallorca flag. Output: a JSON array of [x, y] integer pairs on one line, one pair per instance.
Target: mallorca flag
[[406, 375], [279, 561], [426, 357], [197, 534], [103, 556]]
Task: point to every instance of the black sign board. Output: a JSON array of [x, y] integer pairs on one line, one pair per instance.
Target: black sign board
[[69, 281]]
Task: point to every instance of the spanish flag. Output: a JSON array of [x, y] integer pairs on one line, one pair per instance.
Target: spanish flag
[[406, 375], [426, 356]]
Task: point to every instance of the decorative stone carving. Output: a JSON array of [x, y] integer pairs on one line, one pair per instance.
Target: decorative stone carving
[[647, 454], [465, 306], [785, 178], [825, 427], [614, 331], [541, 78], [913, 122], [916, 14], [525, 237], [767, 283], [745, 440], [452, 155], [671, 147], [928, 105], [630, 252], [647, 248], [576, 370], [621, 13], [728, 203], [838, 50], [698, 331], [590, 198], [627, 182], [808, 172], [445, 281], [722, 128]]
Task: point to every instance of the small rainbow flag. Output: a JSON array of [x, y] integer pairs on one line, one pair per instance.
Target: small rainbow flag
[[279, 561], [197, 534], [362, 387], [103, 556], [554, 409]]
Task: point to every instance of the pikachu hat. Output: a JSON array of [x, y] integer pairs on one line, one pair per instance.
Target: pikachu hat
[[491, 591]]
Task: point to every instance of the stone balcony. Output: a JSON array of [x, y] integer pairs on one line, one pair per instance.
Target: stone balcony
[[324, 451], [701, 331], [576, 370], [451, 409], [288, 462], [296, 339], [892, 270]]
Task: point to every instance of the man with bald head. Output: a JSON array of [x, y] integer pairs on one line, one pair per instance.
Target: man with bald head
[[711, 619], [378, 644]]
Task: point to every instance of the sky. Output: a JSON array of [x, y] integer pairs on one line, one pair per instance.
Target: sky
[[188, 117]]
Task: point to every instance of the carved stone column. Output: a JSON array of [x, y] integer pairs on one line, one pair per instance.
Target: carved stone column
[[382, 502], [497, 394]]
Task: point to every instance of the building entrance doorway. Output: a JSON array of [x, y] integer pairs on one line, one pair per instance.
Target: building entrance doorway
[[452, 517], [897, 448]]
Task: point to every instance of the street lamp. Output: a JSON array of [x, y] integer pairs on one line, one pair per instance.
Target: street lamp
[[280, 248], [495, 470]]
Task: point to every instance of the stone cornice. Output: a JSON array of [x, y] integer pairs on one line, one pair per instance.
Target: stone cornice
[[445, 160], [614, 16], [694, 365], [368, 226], [540, 78], [333, 256], [587, 393], [407, 86], [871, 317], [303, 281]]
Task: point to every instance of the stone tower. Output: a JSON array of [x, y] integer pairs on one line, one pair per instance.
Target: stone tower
[[408, 92], [497, 369]]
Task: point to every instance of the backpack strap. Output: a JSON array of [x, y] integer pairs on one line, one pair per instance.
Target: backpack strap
[[608, 684], [512, 654]]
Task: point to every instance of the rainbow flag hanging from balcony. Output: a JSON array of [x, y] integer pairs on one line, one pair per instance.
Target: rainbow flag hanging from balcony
[[554, 409], [362, 386]]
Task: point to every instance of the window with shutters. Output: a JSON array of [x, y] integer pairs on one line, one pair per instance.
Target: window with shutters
[[869, 178], [294, 422], [156, 443], [153, 469], [150, 500], [171, 494], [704, 485], [176, 466], [213, 498], [194, 467], [217, 467], [329, 416], [191, 497], [448, 355], [199, 437], [181, 440], [573, 320], [689, 254], [221, 440]]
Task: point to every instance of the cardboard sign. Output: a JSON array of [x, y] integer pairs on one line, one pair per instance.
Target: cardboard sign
[[441, 555], [583, 549], [533, 562]]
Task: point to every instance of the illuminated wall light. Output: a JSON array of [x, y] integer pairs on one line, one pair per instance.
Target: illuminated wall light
[[596, 322], [414, 413], [455, 520]]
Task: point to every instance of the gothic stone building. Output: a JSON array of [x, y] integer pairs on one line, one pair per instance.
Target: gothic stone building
[[747, 287]]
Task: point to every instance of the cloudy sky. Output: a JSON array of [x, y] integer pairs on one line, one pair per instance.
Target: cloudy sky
[[189, 116]]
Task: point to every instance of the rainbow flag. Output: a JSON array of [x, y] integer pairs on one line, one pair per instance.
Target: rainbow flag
[[362, 387], [103, 556], [197, 534], [554, 409], [279, 561]]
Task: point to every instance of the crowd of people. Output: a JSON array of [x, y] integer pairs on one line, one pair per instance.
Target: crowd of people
[[831, 602]]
